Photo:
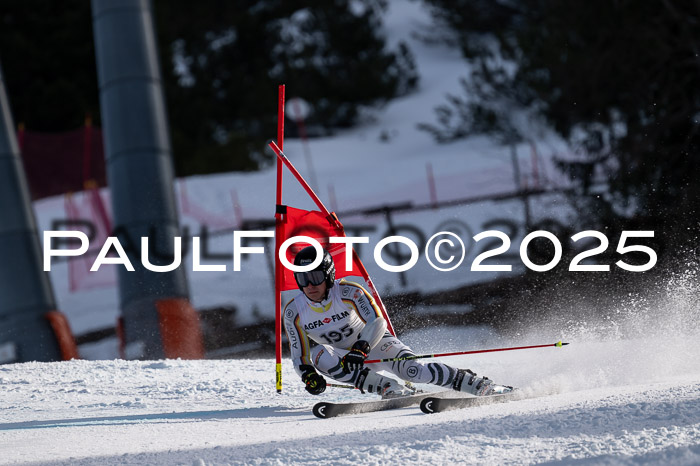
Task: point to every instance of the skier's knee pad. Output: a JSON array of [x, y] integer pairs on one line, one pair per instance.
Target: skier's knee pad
[[325, 358]]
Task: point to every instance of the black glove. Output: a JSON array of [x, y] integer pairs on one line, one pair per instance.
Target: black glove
[[315, 383], [355, 359]]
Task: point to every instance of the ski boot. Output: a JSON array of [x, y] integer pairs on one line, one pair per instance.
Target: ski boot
[[386, 387], [467, 381]]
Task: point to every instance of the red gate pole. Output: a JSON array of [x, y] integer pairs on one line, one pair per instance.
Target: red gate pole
[[280, 216], [336, 223]]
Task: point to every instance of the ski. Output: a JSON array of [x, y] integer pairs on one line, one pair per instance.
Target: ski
[[325, 410], [432, 404]]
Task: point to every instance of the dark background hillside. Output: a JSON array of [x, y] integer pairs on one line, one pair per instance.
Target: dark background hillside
[[219, 61], [620, 80]]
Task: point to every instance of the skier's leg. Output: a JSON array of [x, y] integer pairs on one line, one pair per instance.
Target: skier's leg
[[412, 370], [327, 360]]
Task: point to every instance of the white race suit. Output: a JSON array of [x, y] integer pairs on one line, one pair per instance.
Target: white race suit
[[320, 334]]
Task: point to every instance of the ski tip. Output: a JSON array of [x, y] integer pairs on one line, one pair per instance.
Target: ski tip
[[319, 410], [559, 344], [428, 405]]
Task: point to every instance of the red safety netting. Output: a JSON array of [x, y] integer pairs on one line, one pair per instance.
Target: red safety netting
[[89, 207], [57, 163]]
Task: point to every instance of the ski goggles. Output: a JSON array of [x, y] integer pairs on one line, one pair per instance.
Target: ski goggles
[[315, 277]]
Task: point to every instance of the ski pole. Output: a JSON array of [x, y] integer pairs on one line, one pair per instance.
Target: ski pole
[[558, 344], [337, 385]]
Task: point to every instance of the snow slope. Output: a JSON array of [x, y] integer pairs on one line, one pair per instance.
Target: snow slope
[[625, 391], [615, 402]]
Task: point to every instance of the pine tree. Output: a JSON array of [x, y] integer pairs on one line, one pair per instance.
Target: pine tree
[[221, 63], [619, 79]]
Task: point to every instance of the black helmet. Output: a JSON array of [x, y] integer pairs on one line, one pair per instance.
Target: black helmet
[[305, 257]]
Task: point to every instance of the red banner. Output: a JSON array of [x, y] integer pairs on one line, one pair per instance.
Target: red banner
[[315, 224], [53, 161]]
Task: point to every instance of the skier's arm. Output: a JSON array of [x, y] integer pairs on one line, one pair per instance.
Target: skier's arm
[[375, 324], [298, 340], [368, 338], [373, 331]]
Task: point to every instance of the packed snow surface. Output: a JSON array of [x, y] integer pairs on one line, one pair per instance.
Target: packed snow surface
[[592, 402]]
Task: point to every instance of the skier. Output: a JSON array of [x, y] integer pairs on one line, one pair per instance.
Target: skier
[[343, 320]]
